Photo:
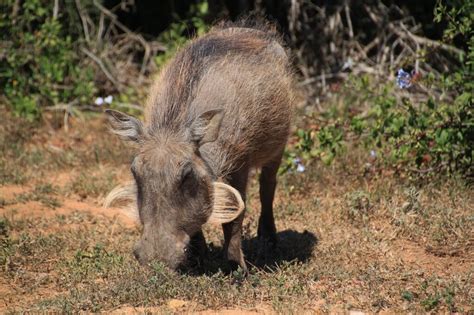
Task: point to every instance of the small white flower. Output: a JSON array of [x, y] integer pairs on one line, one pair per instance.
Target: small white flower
[[99, 101], [348, 64], [373, 153], [300, 168], [109, 99]]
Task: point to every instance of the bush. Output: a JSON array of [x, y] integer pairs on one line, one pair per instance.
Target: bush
[[41, 67], [430, 135], [178, 33]]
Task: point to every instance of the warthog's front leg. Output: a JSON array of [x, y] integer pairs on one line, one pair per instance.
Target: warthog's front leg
[[233, 230], [199, 247]]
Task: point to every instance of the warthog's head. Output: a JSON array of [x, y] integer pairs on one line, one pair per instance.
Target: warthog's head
[[176, 190]]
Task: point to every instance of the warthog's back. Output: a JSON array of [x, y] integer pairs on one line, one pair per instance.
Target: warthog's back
[[243, 71]]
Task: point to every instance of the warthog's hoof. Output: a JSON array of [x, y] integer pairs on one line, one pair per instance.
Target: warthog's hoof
[[267, 249]]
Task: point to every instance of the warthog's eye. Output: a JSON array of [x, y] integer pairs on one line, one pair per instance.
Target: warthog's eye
[[187, 182], [186, 174]]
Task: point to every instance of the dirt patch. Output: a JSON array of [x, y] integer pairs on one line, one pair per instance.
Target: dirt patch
[[32, 209], [111, 213], [11, 295], [417, 256], [175, 306], [10, 192], [236, 311], [6, 292], [135, 310], [62, 179]]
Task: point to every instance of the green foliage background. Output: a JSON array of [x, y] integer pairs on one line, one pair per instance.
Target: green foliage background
[[422, 138], [41, 67]]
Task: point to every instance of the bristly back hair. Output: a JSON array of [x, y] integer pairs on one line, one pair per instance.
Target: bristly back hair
[[180, 77], [252, 21]]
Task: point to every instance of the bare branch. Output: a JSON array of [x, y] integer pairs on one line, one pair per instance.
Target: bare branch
[[56, 9], [103, 68], [15, 10], [349, 21], [85, 27], [427, 41]]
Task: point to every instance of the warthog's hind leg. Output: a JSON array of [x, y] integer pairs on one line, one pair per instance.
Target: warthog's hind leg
[[266, 222]]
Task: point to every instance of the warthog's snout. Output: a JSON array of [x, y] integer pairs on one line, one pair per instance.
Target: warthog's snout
[[170, 249]]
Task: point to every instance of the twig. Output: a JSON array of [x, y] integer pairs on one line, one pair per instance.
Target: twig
[[68, 111], [371, 45], [372, 15], [135, 36], [102, 67], [132, 106], [349, 21], [57, 107], [341, 75], [426, 41], [392, 52], [427, 170], [417, 58], [363, 68], [85, 28], [323, 81], [294, 10], [15, 10], [100, 30], [56, 9]]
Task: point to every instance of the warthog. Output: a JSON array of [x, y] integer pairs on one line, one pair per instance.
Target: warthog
[[221, 107]]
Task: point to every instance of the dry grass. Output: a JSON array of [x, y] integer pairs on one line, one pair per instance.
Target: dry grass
[[348, 241]]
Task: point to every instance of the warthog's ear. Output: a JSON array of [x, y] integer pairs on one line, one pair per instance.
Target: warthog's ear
[[127, 127], [205, 128], [228, 204]]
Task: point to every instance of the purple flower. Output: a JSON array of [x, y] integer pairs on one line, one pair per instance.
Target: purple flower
[[403, 79]]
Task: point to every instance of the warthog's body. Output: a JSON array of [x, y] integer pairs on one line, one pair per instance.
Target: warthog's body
[[219, 108]]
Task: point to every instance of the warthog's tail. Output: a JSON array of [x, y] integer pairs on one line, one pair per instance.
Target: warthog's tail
[[125, 192]]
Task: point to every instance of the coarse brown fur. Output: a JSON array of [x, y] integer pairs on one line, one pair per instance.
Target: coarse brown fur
[[243, 71], [221, 107]]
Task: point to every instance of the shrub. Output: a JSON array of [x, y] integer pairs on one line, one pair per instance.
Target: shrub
[[41, 67], [178, 33], [427, 136]]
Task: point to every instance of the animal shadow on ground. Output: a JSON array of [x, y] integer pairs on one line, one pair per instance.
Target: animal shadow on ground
[[292, 246]]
